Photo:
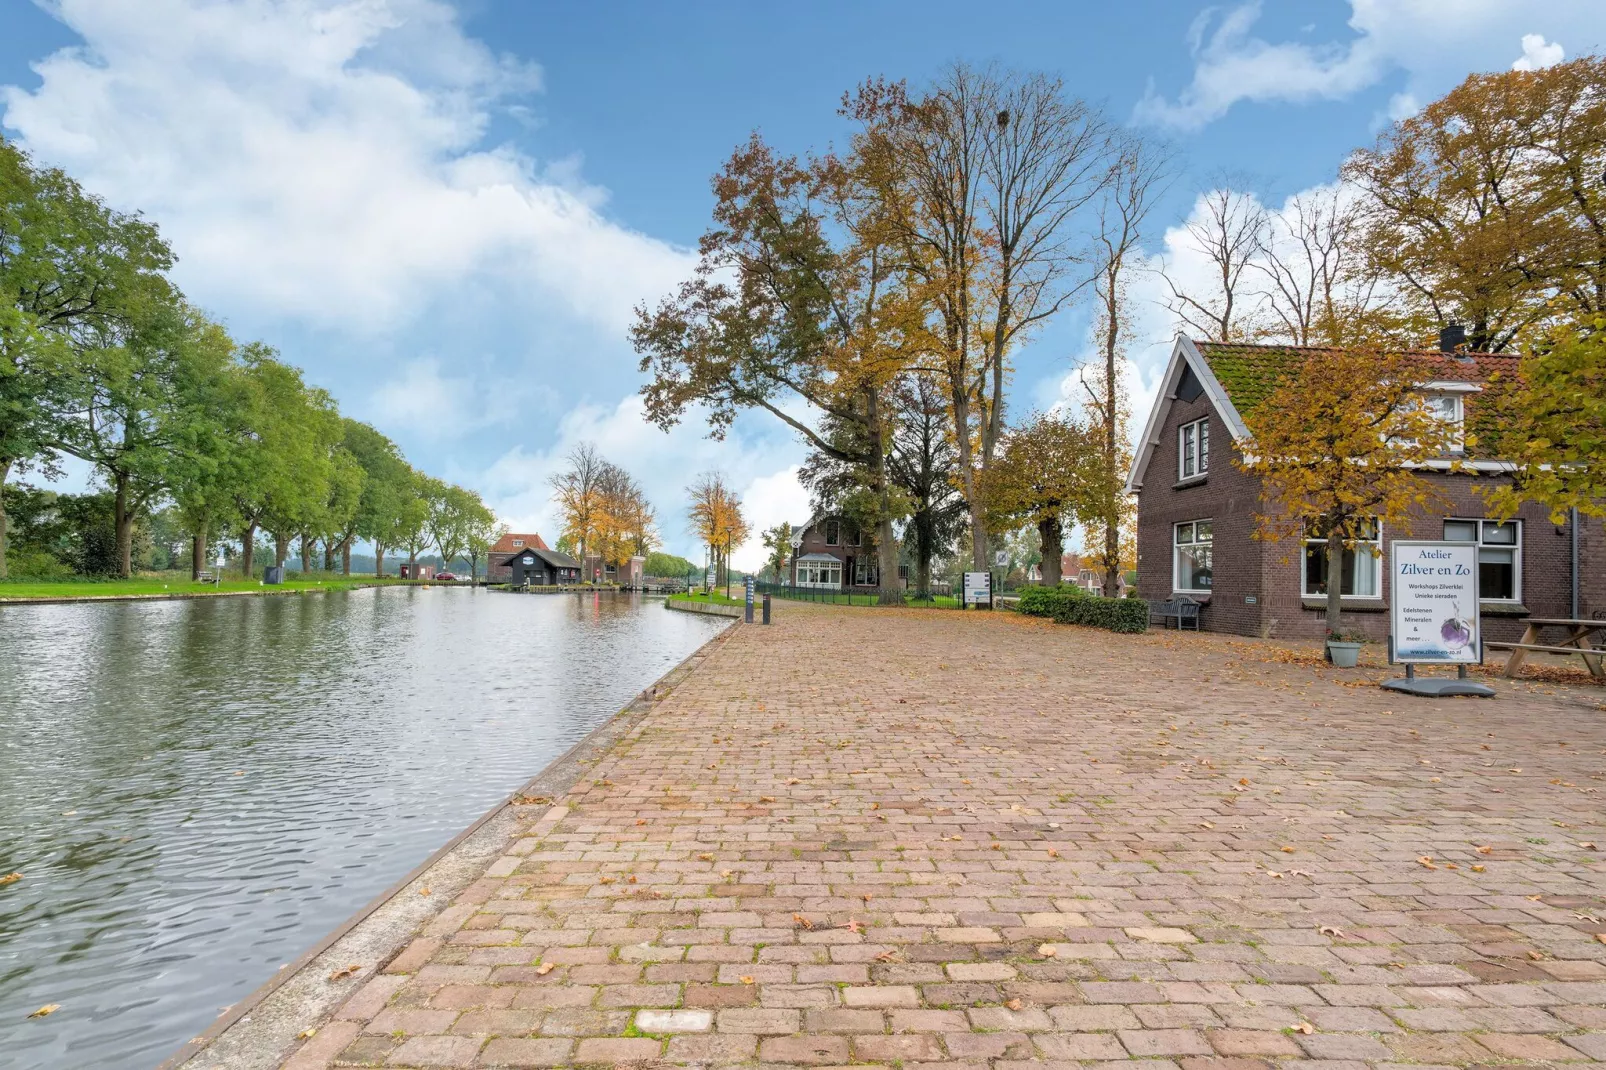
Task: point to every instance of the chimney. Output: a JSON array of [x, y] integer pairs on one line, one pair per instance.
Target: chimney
[[1452, 336]]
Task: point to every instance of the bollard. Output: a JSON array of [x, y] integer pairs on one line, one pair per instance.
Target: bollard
[[766, 609]]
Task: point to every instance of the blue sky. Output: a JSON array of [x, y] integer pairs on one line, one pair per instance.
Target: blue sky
[[445, 212]]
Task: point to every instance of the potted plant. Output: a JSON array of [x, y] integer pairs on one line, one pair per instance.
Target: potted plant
[[1344, 648]]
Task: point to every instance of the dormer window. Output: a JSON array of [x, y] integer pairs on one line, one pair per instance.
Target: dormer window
[[1448, 409], [518, 542], [1193, 449]]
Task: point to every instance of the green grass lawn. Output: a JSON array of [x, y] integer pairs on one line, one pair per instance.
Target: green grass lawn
[[175, 583]]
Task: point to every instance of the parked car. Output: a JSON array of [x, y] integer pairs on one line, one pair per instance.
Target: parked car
[[446, 577]]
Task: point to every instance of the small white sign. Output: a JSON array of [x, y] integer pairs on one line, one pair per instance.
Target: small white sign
[[1001, 558], [1434, 602], [978, 588]]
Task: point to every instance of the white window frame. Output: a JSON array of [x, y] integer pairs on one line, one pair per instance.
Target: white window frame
[[1515, 548], [1377, 563], [825, 574], [1176, 572], [1188, 448], [1457, 418], [518, 543]]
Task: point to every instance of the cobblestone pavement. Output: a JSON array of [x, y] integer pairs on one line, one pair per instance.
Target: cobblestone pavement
[[933, 839]]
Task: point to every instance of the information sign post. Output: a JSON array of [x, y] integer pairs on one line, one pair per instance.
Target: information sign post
[[977, 590], [1433, 616]]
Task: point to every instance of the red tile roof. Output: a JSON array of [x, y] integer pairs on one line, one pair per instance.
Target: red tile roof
[[504, 545]]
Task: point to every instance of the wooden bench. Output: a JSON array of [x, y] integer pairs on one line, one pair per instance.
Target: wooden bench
[[1576, 642], [204, 576], [1180, 609]]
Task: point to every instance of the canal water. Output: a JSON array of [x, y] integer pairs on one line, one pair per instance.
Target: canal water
[[196, 792]]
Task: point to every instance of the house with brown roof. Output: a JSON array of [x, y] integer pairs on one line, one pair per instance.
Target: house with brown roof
[[829, 551], [1196, 510], [509, 546]]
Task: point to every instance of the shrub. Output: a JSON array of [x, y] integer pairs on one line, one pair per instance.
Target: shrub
[[1071, 605]]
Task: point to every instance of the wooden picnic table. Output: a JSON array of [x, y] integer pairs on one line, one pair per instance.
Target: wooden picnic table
[[1576, 642]]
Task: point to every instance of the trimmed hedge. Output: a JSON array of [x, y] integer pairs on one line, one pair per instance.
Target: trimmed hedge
[[1072, 605]]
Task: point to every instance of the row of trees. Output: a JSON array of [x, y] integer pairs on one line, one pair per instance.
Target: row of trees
[[103, 359], [605, 513], [717, 520]]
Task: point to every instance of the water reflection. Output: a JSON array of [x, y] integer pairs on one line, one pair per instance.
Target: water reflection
[[198, 791]]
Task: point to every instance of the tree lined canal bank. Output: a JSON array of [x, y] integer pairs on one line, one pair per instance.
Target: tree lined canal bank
[[1232, 857], [197, 791]]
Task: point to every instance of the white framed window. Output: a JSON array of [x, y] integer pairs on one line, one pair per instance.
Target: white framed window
[[1361, 572], [1193, 448], [1192, 565], [1448, 408], [1499, 555], [864, 571], [518, 542], [833, 533], [819, 574]]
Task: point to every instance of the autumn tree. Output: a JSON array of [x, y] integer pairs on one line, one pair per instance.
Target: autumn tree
[[986, 173], [799, 308], [923, 463], [577, 490], [1342, 445], [1551, 424], [1048, 473], [1318, 286], [717, 519], [1487, 208]]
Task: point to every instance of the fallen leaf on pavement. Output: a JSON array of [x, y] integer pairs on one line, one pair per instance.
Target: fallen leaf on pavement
[[545, 968], [886, 956], [1331, 930], [799, 919], [1484, 850], [746, 979], [1013, 1004], [1304, 1027], [1477, 869], [45, 1011], [306, 1034], [1048, 951], [705, 857], [345, 972], [1426, 862]]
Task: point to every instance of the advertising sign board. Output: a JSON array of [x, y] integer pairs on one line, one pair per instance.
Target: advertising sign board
[[978, 588], [1434, 603]]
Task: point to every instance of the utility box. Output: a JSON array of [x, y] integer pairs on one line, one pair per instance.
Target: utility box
[[273, 574]]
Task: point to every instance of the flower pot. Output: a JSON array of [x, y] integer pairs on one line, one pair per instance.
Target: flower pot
[[1343, 655]]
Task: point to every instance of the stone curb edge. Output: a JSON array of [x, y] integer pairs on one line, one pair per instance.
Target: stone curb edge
[[251, 1042]]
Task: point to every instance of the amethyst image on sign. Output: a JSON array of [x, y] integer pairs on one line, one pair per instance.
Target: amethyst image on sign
[[1457, 633]]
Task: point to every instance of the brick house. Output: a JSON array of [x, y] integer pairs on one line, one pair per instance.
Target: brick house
[[506, 548], [1196, 512], [829, 551]]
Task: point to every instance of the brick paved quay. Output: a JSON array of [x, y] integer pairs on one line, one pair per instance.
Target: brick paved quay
[[932, 839]]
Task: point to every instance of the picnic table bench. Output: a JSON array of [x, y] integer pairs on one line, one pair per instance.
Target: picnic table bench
[[1576, 642], [1180, 609]]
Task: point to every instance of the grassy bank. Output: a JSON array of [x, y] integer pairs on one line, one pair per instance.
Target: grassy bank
[[171, 585], [707, 599]]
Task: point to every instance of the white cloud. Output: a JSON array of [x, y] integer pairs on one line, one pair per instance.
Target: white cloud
[[434, 405], [321, 159], [1434, 43], [1537, 54], [756, 460]]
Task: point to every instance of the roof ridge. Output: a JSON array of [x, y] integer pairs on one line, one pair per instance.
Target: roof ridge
[[1329, 349]]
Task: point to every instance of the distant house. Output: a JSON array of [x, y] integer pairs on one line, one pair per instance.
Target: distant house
[[506, 548], [829, 551], [542, 568], [629, 573], [1196, 509]]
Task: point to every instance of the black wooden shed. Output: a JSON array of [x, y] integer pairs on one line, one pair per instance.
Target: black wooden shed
[[542, 568]]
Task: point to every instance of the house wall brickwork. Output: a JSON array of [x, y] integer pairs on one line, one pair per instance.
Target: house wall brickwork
[[846, 550], [1271, 573]]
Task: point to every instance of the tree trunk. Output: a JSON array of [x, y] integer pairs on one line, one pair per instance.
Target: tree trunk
[[328, 555], [5, 521], [281, 549], [345, 558], [923, 560], [473, 568], [248, 545], [1112, 485], [1335, 581], [197, 554], [124, 524], [978, 526], [379, 560], [1051, 536]]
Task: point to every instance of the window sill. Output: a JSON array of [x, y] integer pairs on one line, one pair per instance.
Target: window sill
[[1191, 481], [1203, 598], [1348, 605], [1503, 609]]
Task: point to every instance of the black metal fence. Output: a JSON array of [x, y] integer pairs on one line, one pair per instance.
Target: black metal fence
[[842, 596]]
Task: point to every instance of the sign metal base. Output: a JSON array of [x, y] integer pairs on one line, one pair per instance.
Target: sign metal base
[[1438, 686]]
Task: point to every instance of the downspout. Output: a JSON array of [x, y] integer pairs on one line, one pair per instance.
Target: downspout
[[1572, 524]]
